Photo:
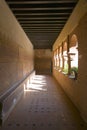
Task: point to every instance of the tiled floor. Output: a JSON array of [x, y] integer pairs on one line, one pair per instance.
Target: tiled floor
[[44, 106]]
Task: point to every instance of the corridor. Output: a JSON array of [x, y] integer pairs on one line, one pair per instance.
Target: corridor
[[44, 106]]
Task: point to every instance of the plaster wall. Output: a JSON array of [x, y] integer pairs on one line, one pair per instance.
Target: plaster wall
[[76, 89], [43, 61], [16, 50]]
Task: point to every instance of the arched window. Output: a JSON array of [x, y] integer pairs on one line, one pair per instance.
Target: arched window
[[55, 59], [60, 58], [65, 58], [73, 53]]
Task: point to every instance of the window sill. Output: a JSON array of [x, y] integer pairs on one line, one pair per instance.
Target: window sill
[[72, 77], [64, 73]]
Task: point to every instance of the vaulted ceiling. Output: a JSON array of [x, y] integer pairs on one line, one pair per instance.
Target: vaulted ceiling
[[42, 20]]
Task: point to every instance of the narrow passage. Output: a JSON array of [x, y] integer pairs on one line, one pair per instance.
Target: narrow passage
[[44, 106]]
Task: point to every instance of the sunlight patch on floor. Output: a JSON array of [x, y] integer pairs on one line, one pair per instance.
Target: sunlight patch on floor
[[37, 84]]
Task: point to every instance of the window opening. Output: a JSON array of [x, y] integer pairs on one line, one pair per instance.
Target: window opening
[[65, 58], [73, 53]]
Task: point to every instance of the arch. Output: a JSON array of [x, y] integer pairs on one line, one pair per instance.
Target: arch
[[73, 53]]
